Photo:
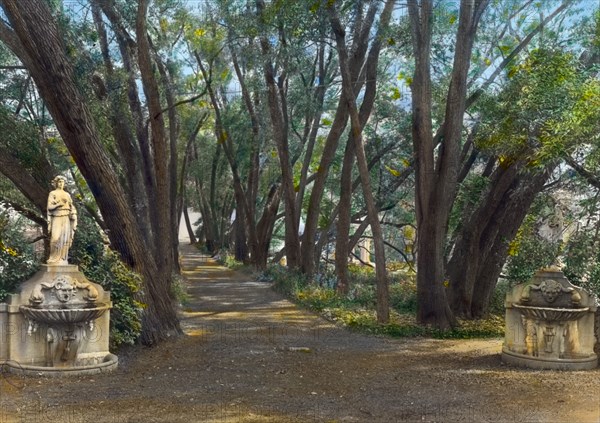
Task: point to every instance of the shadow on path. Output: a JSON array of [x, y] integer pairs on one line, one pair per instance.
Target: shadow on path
[[250, 355]]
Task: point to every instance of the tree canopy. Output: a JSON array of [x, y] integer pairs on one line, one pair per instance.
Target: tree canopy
[[302, 129]]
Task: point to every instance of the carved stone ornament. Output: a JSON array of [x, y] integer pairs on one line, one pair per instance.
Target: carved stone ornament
[[63, 288]]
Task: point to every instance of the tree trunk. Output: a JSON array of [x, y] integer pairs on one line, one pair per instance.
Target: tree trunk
[[437, 172], [342, 248], [188, 224], [482, 245], [278, 112], [468, 255], [432, 306], [241, 247], [127, 46], [208, 222], [362, 30], [363, 168], [265, 226], [163, 252], [346, 188], [40, 38]]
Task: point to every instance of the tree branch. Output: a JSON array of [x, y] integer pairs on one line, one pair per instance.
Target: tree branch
[[475, 96], [583, 172]]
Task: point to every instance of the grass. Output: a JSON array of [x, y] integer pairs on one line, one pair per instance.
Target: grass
[[357, 310]]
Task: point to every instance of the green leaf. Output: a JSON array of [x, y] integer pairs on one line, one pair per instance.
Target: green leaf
[[392, 171], [505, 48]]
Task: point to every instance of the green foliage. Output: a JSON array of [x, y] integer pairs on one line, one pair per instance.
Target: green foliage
[[525, 121], [403, 295], [228, 260], [103, 266], [284, 281], [357, 310], [405, 325], [496, 306], [534, 253], [17, 259], [529, 252], [361, 273], [582, 261], [362, 293], [468, 196], [317, 298], [179, 289]]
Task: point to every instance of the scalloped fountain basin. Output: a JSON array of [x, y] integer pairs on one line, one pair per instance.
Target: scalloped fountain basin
[[76, 313], [551, 314]]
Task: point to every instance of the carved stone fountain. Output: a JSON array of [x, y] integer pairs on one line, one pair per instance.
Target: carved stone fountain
[[550, 324], [58, 323]]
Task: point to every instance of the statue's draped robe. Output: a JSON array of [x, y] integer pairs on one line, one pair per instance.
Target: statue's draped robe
[[61, 213]]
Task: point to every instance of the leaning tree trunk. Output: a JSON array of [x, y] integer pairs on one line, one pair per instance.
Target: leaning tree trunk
[[356, 63], [41, 41], [265, 226], [188, 224], [482, 248], [469, 247], [280, 134], [383, 312], [342, 245], [343, 226]]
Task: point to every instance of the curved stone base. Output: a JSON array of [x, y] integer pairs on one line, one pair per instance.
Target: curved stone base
[[109, 363], [542, 363]]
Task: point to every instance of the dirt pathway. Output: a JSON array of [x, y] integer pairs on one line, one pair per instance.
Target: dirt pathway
[[251, 356]]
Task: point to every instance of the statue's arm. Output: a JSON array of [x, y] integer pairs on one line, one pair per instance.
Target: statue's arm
[[73, 214], [52, 204]]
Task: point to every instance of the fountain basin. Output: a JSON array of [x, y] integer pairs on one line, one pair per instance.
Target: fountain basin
[[101, 365], [550, 324], [75, 313], [550, 314]]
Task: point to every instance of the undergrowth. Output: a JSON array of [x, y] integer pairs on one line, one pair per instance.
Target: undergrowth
[[357, 309], [229, 261]]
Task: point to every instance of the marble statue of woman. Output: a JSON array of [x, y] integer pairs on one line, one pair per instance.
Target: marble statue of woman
[[62, 222]]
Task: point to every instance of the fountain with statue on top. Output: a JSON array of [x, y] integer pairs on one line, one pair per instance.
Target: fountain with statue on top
[[58, 322]]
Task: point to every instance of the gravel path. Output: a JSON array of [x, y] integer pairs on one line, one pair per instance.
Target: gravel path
[[251, 356]]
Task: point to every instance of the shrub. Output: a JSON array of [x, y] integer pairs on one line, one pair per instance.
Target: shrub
[[17, 259], [498, 297], [403, 296], [284, 281], [179, 289], [357, 310], [362, 294], [583, 261], [360, 273], [228, 260], [103, 266], [317, 298]]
